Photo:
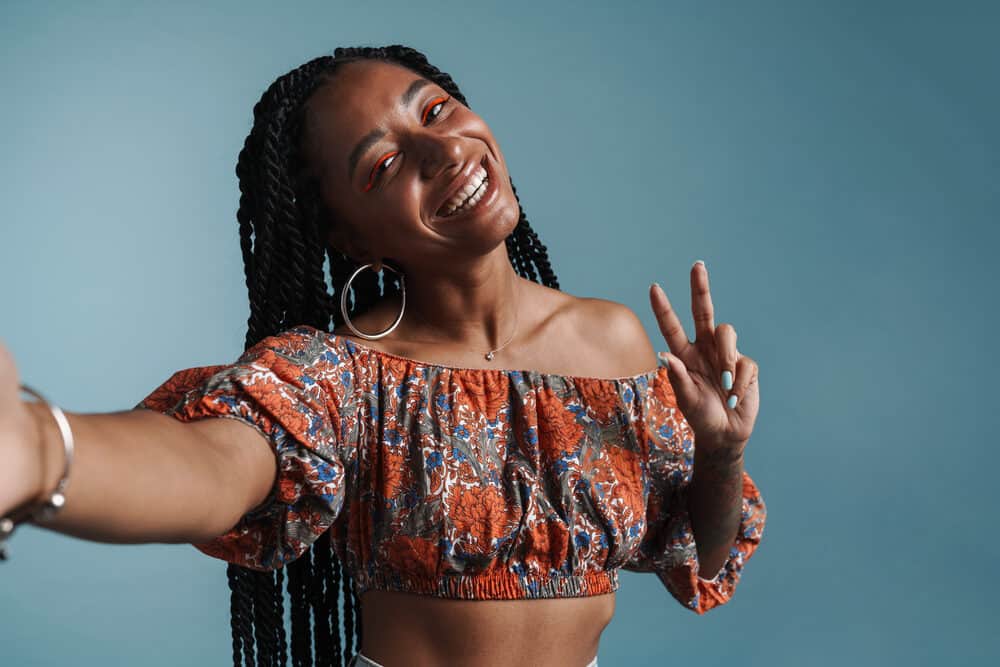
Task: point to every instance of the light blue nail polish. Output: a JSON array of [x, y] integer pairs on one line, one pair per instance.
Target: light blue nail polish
[[727, 380], [731, 402]]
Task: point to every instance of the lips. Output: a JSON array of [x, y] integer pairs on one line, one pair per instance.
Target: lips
[[468, 171]]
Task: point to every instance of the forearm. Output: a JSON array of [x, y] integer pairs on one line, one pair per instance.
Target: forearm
[[137, 476], [715, 504]]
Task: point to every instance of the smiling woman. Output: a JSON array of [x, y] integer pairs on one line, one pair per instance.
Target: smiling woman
[[396, 158], [474, 476]]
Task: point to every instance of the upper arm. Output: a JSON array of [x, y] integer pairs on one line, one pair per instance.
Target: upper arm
[[281, 456], [245, 465]]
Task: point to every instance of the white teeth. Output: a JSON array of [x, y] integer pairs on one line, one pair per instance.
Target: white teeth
[[471, 201], [477, 184]]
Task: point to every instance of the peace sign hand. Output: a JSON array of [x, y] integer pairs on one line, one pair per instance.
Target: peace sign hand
[[710, 373]]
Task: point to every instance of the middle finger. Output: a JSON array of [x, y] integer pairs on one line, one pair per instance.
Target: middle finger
[[701, 304]]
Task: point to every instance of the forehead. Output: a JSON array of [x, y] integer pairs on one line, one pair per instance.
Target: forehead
[[361, 97]]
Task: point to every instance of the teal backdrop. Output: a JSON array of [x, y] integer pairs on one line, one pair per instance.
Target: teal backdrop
[[834, 163]]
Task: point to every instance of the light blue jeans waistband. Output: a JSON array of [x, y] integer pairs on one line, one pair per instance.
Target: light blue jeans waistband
[[360, 660]]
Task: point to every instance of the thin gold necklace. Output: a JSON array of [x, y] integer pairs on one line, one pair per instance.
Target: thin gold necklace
[[492, 353]]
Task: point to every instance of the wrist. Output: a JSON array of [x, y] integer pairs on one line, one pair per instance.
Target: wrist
[[724, 454], [46, 454]]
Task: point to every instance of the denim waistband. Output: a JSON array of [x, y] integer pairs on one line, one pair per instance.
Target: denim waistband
[[361, 660]]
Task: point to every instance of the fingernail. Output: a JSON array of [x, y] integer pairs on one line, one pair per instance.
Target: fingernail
[[731, 402], [727, 380], [700, 261], [656, 284]]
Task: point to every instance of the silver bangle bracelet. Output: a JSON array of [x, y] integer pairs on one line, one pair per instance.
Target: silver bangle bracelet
[[46, 509]]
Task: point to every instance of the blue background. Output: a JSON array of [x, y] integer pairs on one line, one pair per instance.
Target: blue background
[[835, 164]]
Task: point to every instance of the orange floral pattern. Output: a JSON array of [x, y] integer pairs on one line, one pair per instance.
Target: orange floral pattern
[[462, 483]]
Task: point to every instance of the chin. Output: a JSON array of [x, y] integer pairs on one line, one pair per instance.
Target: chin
[[493, 231]]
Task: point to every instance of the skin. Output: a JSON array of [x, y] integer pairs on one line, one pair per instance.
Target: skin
[[463, 299]]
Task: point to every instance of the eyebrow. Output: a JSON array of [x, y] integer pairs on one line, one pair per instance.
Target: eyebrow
[[369, 139]]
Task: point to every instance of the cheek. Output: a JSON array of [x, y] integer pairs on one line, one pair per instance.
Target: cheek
[[411, 192], [400, 207], [397, 212]]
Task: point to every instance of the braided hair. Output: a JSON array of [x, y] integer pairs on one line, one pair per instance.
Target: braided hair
[[283, 227]]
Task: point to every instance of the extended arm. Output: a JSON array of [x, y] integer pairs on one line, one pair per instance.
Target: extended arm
[[141, 476]]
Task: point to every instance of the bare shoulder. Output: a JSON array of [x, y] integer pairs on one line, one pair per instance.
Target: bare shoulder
[[614, 328], [606, 332]]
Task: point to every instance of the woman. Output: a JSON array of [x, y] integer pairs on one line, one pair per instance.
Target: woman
[[480, 514]]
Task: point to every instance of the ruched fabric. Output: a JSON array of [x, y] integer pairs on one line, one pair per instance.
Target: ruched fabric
[[668, 546], [463, 483]]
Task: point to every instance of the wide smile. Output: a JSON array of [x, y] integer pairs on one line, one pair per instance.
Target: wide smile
[[472, 197]]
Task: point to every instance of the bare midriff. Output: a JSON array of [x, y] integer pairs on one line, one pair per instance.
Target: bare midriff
[[426, 631]]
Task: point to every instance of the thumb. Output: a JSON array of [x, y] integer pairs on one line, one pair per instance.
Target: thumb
[[677, 373], [8, 376]]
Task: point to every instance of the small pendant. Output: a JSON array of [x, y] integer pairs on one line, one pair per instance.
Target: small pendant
[[489, 356]]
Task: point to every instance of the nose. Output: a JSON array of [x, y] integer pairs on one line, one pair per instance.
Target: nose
[[440, 153]]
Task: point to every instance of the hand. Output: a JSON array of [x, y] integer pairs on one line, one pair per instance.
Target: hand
[[695, 371], [21, 462]]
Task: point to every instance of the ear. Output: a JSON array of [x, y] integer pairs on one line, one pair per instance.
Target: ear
[[350, 244]]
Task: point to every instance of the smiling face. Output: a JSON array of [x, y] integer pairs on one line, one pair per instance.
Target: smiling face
[[394, 155]]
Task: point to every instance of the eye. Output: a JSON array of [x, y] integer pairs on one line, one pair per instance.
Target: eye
[[380, 167], [431, 111], [437, 103]]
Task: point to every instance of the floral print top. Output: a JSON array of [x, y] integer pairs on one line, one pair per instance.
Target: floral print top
[[462, 483]]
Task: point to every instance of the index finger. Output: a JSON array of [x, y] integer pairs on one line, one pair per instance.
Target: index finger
[[670, 325]]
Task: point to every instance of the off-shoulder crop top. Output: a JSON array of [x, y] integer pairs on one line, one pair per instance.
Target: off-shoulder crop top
[[462, 483]]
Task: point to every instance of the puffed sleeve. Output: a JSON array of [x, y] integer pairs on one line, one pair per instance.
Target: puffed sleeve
[[668, 546], [286, 387]]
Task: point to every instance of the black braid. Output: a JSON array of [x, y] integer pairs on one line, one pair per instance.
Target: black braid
[[301, 628], [279, 613], [322, 606], [283, 227], [263, 616], [348, 617], [356, 601], [332, 591], [242, 606]]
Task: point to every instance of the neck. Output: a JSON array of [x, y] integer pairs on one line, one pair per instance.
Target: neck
[[472, 305]]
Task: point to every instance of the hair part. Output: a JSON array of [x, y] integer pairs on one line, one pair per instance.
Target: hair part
[[283, 230]]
